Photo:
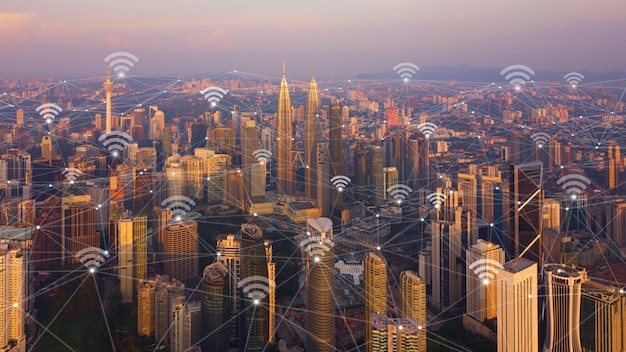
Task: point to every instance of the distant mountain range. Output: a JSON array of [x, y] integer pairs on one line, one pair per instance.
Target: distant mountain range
[[473, 74]]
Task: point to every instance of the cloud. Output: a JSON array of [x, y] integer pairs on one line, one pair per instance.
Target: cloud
[[13, 20]]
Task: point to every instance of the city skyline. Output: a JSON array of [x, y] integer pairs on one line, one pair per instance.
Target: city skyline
[[195, 37]]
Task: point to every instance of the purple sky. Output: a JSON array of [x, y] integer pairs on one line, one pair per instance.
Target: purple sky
[[338, 38]]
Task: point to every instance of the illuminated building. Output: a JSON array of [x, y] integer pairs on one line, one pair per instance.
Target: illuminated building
[[517, 308], [284, 170], [336, 154], [12, 297], [563, 293], [413, 295], [375, 290], [311, 140], [78, 227], [132, 252], [602, 318], [319, 285], [181, 250]]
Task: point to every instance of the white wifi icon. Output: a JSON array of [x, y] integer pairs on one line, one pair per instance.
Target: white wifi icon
[[256, 287], [49, 111], [121, 62], [574, 78], [573, 184], [436, 199], [399, 192], [213, 94], [427, 128], [540, 138], [517, 74], [406, 70], [340, 182], [486, 269], [318, 246], [72, 173], [179, 206], [115, 142], [92, 257], [262, 155]]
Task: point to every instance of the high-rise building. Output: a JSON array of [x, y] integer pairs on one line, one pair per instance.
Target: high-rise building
[[181, 250], [482, 292], [192, 325], [375, 292], [468, 191], [323, 172], [249, 144], [12, 298], [255, 310], [413, 295], [417, 169], [526, 210], [616, 228], [19, 117], [394, 335], [145, 307], [336, 154], [164, 291], [518, 312], [48, 147], [78, 227], [108, 89], [376, 174], [216, 307], [312, 138], [614, 163], [563, 292], [447, 281], [284, 170], [390, 179], [132, 252], [319, 285], [602, 318]]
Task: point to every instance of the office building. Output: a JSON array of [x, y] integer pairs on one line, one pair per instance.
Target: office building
[[526, 211], [563, 293], [319, 285], [602, 318], [180, 248], [285, 178], [132, 253], [413, 295], [336, 156], [216, 307], [312, 138], [12, 295], [517, 309], [375, 292]]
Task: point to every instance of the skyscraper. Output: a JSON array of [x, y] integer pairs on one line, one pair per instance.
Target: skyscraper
[[375, 292], [181, 250], [132, 253], [78, 226], [602, 318], [320, 279], [563, 288], [323, 186], [526, 210], [336, 153], [12, 298], [284, 171], [312, 137], [482, 293], [145, 307], [216, 303], [446, 253], [108, 89], [517, 308], [413, 290], [614, 163]]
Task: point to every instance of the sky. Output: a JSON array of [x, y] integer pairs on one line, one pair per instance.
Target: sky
[[335, 38]]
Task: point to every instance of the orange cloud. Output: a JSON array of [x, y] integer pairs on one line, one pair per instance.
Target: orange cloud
[[14, 20]]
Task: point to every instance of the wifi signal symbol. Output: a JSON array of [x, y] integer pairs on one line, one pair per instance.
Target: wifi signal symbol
[[573, 184], [49, 111], [72, 173], [256, 287], [213, 94], [121, 62], [318, 246], [115, 141], [399, 192], [486, 269], [427, 128], [92, 257], [540, 138], [179, 206], [517, 74], [262, 155], [406, 70], [340, 182], [436, 198], [574, 78]]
